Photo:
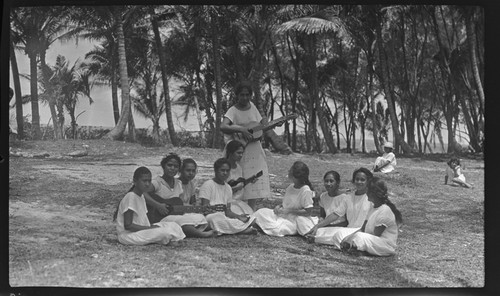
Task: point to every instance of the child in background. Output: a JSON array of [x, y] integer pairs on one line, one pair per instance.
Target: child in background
[[217, 192], [132, 224], [379, 232], [387, 162], [297, 202], [454, 173], [187, 174]]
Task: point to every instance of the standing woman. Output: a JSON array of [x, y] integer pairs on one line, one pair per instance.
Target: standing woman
[[253, 160], [234, 152]]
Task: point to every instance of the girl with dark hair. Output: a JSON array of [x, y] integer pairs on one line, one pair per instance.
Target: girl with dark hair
[[187, 174], [217, 192], [167, 186], [132, 223], [328, 202], [234, 152], [454, 174], [297, 202], [355, 207], [379, 233], [234, 126]]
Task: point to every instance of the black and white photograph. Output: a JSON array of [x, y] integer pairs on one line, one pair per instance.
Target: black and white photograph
[[157, 145]]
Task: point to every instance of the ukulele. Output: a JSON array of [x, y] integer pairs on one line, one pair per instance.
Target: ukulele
[[175, 206], [257, 129], [245, 181]]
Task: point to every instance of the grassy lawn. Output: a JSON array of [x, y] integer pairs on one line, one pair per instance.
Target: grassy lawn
[[61, 233]]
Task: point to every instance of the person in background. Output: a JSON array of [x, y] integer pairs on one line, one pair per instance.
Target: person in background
[[297, 203], [379, 232], [387, 162], [234, 126], [187, 174], [132, 224], [454, 174]]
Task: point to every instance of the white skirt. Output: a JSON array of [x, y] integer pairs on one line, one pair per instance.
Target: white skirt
[[240, 207], [373, 244], [167, 232], [225, 225], [197, 220], [275, 225], [253, 161], [333, 235]]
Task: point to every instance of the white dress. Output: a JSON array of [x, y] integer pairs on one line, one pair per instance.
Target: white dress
[[383, 245], [327, 202], [162, 189], [222, 194], [168, 231], [455, 175], [254, 158], [381, 160], [238, 206], [355, 208], [294, 199]]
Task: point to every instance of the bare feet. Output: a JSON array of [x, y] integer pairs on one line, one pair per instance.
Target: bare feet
[[249, 230]]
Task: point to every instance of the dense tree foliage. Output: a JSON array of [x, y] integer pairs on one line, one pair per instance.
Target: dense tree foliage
[[345, 70]]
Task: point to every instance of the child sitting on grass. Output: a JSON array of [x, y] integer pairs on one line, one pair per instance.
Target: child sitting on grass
[[187, 174], [132, 223], [454, 173], [387, 162]]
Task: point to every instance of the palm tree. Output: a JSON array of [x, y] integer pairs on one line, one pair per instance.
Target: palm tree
[[320, 19], [17, 86]]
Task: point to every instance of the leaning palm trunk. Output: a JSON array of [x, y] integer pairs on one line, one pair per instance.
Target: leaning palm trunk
[[19, 98], [117, 132]]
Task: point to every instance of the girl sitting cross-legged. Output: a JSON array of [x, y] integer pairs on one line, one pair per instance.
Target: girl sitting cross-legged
[[355, 207], [234, 153], [379, 232], [217, 192], [328, 202], [132, 224], [297, 202]]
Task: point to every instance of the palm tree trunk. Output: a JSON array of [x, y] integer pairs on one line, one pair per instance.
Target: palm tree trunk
[[218, 86], [388, 92], [35, 113], [164, 77], [17, 89], [52, 103], [471, 38], [114, 86], [117, 132]]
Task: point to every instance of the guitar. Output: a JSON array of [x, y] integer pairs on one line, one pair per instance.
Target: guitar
[[245, 181], [175, 206], [257, 129]]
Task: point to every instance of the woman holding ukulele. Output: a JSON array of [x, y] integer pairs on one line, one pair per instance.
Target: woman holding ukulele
[[234, 126]]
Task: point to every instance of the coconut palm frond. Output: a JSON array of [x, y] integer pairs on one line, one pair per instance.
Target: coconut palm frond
[[312, 25]]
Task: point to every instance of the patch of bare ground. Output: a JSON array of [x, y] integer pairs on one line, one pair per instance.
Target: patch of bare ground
[[61, 231]]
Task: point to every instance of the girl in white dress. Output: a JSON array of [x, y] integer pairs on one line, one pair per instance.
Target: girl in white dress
[[217, 192], [454, 174], [328, 201], [234, 152], [132, 224], [234, 125], [355, 208], [167, 186], [379, 233], [387, 162], [297, 202], [187, 174]]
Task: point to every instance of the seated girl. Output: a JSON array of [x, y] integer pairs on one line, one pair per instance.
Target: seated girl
[[387, 162], [328, 201], [297, 202], [379, 232], [132, 224], [217, 192], [165, 187], [355, 207], [234, 153], [454, 174]]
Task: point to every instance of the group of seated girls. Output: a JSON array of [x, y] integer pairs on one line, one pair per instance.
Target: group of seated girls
[[364, 221]]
